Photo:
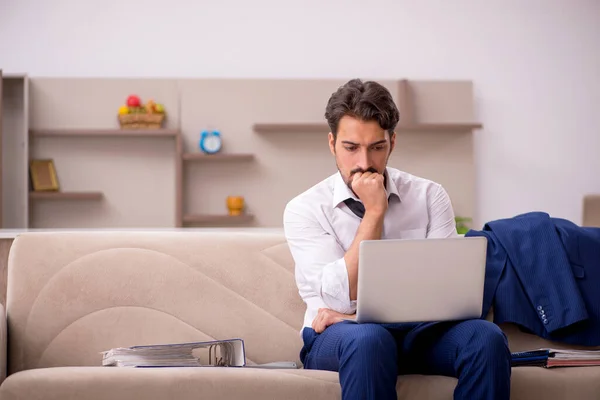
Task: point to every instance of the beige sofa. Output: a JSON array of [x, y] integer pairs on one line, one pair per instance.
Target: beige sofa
[[72, 295]]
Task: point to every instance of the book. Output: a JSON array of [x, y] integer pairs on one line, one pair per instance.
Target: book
[[549, 358], [216, 353]]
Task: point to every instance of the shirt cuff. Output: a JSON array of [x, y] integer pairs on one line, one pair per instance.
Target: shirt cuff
[[335, 289]]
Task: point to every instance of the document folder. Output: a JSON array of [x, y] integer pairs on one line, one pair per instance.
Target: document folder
[[550, 358], [216, 353]]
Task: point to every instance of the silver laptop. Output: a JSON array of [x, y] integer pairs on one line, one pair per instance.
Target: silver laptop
[[420, 280]]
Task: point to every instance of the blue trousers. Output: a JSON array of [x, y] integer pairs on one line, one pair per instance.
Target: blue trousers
[[369, 357]]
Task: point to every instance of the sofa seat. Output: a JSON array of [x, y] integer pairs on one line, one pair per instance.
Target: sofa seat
[[249, 383], [196, 383], [114, 383]]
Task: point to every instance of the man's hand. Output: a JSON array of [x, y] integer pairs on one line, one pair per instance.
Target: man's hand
[[369, 187], [327, 317]]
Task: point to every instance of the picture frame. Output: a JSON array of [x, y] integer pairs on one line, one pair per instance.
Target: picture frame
[[43, 175]]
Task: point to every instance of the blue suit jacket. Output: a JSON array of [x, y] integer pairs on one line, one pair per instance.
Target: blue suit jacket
[[543, 274]]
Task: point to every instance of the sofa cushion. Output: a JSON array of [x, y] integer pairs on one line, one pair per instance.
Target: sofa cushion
[[555, 383], [195, 383], [227, 383], [74, 294]]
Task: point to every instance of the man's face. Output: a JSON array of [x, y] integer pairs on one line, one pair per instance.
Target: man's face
[[360, 146]]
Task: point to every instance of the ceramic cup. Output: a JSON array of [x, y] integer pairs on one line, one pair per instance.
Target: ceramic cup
[[235, 205]]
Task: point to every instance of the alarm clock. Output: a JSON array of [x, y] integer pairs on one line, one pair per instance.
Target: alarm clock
[[210, 142]]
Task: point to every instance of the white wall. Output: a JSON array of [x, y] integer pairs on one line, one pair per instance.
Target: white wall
[[535, 65]]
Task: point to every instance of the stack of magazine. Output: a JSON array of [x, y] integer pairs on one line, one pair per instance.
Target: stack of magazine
[[550, 358], [219, 353]]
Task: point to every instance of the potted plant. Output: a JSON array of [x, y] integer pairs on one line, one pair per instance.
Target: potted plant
[[461, 225]]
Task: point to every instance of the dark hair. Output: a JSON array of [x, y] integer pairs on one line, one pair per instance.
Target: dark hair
[[368, 101]]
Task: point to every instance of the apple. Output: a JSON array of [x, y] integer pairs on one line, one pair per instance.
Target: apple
[[133, 101]]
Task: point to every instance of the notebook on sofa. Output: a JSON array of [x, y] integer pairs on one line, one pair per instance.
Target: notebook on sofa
[[549, 358], [217, 353]]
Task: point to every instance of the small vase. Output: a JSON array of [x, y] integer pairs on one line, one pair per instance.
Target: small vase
[[235, 205]]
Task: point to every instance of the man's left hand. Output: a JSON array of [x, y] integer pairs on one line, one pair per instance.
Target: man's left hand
[[327, 317]]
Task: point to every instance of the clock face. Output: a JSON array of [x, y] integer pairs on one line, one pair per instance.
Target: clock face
[[212, 143]]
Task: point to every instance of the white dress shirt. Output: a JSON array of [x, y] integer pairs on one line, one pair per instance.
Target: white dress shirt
[[320, 228]]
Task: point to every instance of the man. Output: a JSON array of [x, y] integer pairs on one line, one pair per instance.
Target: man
[[368, 200]]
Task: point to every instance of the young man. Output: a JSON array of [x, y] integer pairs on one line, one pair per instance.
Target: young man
[[368, 200]]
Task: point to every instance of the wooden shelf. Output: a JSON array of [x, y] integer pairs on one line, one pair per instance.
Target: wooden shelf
[[447, 127], [291, 128], [66, 195], [217, 157], [216, 219], [106, 132], [14, 76], [324, 128]]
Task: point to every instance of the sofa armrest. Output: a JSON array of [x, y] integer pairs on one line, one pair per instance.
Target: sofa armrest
[[3, 344]]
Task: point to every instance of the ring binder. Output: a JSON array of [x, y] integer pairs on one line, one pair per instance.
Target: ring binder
[[227, 353], [217, 353], [221, 353]]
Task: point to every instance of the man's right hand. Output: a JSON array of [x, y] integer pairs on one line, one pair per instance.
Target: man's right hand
[[370, 188]]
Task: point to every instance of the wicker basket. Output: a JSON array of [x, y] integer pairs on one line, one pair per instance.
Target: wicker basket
[[141, 121]]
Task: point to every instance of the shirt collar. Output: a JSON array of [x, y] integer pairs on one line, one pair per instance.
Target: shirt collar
[[341, 191]]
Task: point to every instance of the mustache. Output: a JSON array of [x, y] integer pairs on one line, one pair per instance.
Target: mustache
[[370, 169]]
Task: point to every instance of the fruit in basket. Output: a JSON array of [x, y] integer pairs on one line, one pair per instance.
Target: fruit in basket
[[159, 108], [123, 110], [136, 110], [133, 101], [150, 106]]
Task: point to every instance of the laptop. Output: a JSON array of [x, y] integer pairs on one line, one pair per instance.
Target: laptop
[[420, 280]]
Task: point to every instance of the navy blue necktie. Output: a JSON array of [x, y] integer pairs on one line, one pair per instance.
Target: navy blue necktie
[[356, 207]]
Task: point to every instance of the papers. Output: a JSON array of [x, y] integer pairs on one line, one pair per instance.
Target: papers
[[550, 358], [573, 358], [218, 353]]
